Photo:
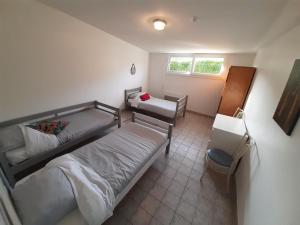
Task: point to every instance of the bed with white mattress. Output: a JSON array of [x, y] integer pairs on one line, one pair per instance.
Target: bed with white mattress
[[23, 149], [167, 109], [84, 186]]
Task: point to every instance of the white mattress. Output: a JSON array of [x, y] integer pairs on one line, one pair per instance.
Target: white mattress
[[156, 105]]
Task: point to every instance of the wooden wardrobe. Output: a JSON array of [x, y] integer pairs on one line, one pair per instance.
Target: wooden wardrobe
[[236, 89]]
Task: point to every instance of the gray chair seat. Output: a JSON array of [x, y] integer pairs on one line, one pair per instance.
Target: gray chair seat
[[220, 157]]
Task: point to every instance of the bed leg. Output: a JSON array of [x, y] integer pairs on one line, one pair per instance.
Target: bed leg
[[170, 130], [174, 121], [119, 118], [168, 149], [133, 116], [185, 105]]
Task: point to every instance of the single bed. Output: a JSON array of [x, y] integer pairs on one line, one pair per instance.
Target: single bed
[[167, 109], [119, 158], [85, 121]]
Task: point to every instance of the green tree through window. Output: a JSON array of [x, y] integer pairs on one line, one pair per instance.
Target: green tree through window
[[180, 64], [208, 67], [202, 65]]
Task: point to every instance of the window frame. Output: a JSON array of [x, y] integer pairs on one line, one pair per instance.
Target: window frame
[[195, 74], [180, 73], [208, 74]]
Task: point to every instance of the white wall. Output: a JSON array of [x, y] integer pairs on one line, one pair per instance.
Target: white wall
[[204, 92], [268, 182], [51, 60]]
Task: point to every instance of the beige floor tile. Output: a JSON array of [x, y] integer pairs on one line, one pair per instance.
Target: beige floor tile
[[155, 222], [158, 191], [141, 217], [164, 181], [146, 184], [194, 185], [179, 220], [170, 172], [117, 219], [128, 208], [171, 200], [190, 197], [176, 188], [153, 173], [137, 194], [201, 218], [185, 170], [164, 214], [186, 210], [150, 204], [181, 178]]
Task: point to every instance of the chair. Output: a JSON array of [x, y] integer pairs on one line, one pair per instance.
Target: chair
[[239, 113], [224, 163]]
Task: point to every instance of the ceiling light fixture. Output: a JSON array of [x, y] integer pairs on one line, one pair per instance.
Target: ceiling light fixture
[[159, 24]]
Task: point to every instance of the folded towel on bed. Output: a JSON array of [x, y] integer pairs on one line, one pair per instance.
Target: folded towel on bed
[[145, 97], [94, 195]]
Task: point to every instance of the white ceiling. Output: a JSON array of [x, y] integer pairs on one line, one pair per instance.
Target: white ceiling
[[222, 26]]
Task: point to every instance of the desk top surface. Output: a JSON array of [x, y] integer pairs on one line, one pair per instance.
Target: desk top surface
[[229, 124]]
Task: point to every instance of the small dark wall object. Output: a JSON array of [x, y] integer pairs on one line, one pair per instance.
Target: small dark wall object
[[132, 69], [288, 109]]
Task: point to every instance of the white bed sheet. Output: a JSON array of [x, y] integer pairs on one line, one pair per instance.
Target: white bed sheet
[[156, 105]]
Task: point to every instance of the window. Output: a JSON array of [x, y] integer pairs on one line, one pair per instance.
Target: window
[[195, 65], [208, 65], [180, 65]]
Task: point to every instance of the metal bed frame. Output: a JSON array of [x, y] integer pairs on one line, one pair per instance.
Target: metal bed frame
[[16, 172], [147, 121], [181, 104]]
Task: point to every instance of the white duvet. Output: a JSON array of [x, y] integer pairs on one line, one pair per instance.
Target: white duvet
[[94, 195]]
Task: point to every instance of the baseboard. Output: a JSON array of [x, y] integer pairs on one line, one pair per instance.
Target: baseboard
[[200, 114], [190, 111]]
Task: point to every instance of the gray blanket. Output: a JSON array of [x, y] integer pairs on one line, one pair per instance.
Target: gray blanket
[[120, 155], [85, 121]]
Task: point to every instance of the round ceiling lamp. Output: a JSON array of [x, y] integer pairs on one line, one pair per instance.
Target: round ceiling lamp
[[159, 24]]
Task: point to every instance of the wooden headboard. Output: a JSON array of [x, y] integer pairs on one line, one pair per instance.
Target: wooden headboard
[[129, 92]]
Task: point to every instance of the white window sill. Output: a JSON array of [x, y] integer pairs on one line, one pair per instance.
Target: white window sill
[[196, 75]]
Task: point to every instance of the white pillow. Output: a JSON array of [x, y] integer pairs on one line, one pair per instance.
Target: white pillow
[[37, 142], [134, 102]]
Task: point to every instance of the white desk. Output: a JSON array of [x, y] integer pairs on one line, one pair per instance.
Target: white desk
[[227, 133]]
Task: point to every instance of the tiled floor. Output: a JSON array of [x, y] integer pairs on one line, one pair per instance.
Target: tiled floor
[[170, 191]]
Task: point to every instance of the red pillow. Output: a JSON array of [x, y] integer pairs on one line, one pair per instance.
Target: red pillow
[[145, 97]]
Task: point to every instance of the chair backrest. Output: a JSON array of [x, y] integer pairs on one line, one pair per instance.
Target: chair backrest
[[239, 113]]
